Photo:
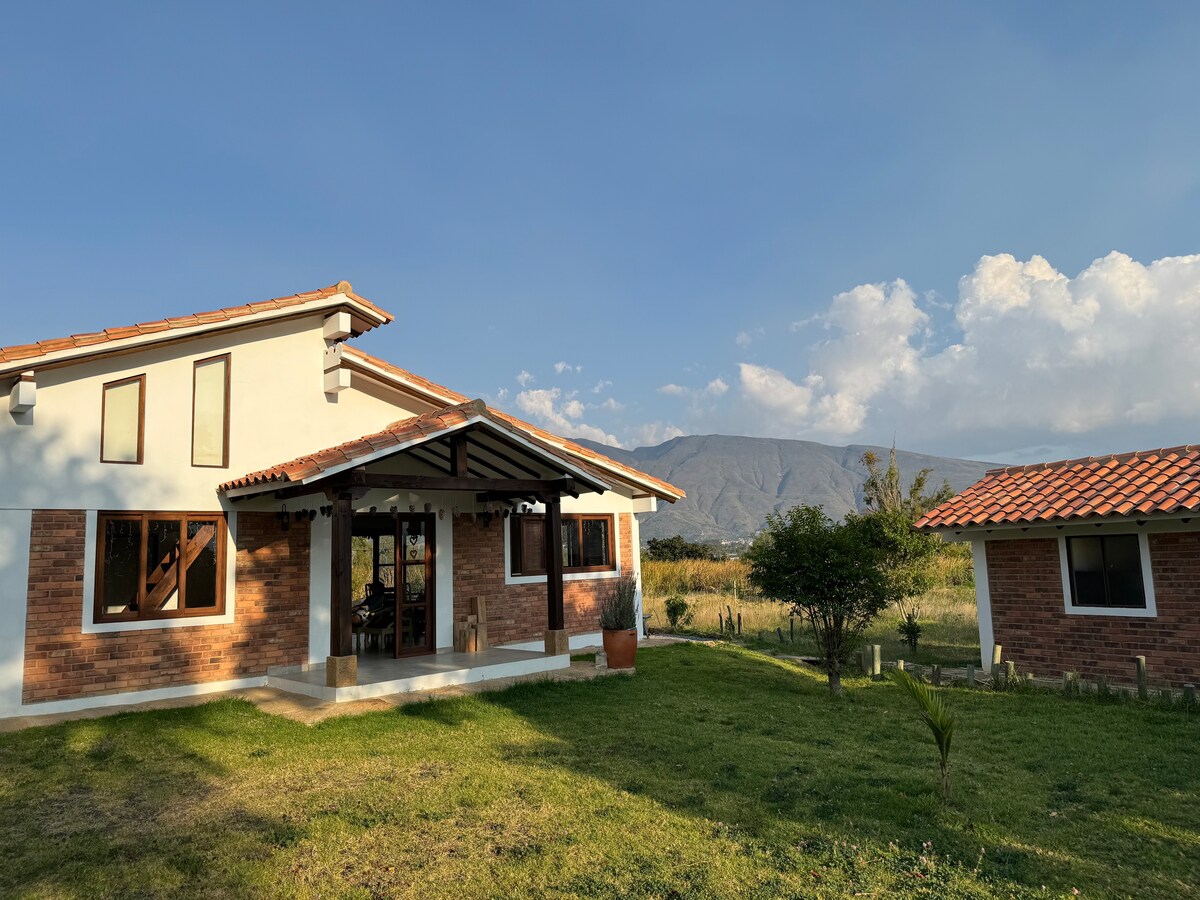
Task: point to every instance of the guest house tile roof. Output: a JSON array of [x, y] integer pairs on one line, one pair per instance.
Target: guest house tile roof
[[30, 354], [426, 426], [1144, 483]]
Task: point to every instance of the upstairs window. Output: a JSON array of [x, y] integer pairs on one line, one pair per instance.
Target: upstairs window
[[159, 565], [123, 421], [1106, 571], [587, 544], [210, 412]]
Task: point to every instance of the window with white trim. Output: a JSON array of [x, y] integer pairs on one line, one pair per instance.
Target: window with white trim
[[1106, 572], [587, 544]]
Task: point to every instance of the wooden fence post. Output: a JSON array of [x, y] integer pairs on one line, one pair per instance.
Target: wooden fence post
[[720, 622], [1102, 685], [876, 661], [1010, 671], [996, 648], [900, 664], [937, 676], [970, 676], [739, 622], [1189, 696], [1143, 687], [864, 656], [791, 629], [779, 631]]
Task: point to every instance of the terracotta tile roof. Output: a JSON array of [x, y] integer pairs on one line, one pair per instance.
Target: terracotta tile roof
[[29, 353], [1148, 482], [427, 425], [664, 489]]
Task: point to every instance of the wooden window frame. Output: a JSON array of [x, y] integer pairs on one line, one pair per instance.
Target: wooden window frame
[[141, 439], [515, 541], [224, 464], [144, 518], [1108, 593]]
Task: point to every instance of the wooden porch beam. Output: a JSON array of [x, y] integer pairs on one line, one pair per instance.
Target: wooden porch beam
[[341, 637], [458, 456], [554, 565], [451, 483]]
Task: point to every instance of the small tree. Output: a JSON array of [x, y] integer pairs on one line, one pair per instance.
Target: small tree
[[883, 492], [838, 577], [676, 548]]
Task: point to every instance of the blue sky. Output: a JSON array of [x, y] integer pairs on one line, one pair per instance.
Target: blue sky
[[774, 219]]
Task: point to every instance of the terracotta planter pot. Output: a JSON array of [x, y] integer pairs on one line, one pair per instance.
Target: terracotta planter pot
[[621, 648]]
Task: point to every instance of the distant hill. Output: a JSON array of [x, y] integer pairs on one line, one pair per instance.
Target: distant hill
[[733, 482]]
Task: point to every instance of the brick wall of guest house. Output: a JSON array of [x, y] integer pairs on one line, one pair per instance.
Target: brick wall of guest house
[[517, 612], [270, 627], [1029, 620]]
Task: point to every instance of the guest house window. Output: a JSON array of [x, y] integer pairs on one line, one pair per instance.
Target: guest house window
[[159, 565], [1106, 571], [210, 412], [587, 544], [122, 420]]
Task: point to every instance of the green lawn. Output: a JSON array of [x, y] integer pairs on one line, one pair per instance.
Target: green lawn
[[714, 771]]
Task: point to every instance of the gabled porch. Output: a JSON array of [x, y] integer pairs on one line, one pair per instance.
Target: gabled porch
[[404, 489]]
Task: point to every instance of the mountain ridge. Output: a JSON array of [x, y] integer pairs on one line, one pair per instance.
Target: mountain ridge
[[732, 481]]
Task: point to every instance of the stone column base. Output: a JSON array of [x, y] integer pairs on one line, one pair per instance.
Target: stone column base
[[341, 671], [557, 642]]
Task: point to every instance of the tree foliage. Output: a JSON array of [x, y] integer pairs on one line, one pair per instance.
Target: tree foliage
[[837, 576], [883, 491], [675, 548]]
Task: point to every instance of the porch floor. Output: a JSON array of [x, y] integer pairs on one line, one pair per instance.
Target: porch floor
[[380, 675]]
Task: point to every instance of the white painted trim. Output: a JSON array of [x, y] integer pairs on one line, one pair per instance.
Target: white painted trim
[[553, 461], [16, 528], [614, 572], [309, 307], [51, 707], [1151, 524], [574, 642], [1151, 610], [983, 602], [353, 355], [91, 626]]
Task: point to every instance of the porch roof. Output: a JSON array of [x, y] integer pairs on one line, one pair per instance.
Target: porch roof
[[498, 464]]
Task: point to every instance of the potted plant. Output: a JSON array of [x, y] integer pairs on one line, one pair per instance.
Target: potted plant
[[618, 622]]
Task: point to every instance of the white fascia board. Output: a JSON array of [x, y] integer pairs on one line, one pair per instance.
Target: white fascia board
[[136, 342], [1008, 531], [450, 401], [400, 448]]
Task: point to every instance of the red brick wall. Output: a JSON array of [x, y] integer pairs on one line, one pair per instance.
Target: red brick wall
[[270, 627], [1028, 619], [517, 612]]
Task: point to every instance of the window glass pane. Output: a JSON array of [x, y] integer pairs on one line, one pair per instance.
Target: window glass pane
[[1087, 571], [387, 549], [209, 413], [1123, 565], [595, 542], [201, 577], [122, 422], [414, 583], [412, 536], [122, 549], [572, 551], [162, 571]]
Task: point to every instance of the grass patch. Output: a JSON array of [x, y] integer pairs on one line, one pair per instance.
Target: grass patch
[[715, 771]]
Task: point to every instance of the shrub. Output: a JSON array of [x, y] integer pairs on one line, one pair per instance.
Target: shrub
[[618, 607], [679, 613], [910, 628]]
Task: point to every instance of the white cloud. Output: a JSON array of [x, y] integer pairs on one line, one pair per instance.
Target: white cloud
[[673, 390], [544, 407], [560, 367], [716, 387], [743, 339], [1034, 354], [524, 379], [612, 405], [601, 385], [501, 394], [653, 433]]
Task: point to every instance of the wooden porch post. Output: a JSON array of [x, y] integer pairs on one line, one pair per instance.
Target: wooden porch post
[[341, 668], [556, 635]]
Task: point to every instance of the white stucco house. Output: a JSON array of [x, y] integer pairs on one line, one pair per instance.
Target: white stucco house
[[182, 502]]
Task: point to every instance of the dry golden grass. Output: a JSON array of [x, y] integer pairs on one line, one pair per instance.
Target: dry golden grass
[[714, 589]]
